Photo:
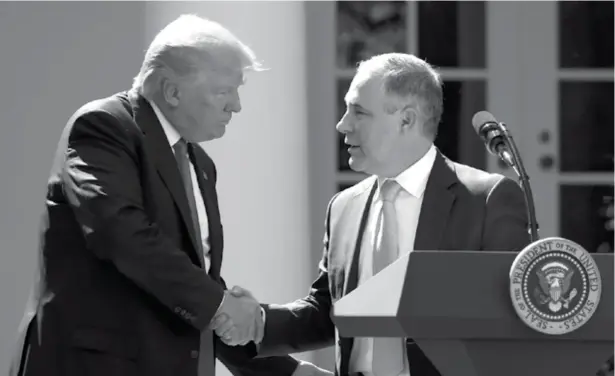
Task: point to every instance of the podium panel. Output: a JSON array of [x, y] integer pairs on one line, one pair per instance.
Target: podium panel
[[457, 306]]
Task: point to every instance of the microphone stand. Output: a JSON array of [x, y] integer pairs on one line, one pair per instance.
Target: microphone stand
[[524, 179]]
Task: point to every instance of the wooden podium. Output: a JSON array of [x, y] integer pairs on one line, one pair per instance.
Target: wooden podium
[[456, 305]]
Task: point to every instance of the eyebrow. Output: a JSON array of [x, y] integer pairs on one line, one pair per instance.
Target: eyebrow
[[357, 106]]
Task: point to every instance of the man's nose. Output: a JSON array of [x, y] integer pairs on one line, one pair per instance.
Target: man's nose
[[235, 104], [343, 126]]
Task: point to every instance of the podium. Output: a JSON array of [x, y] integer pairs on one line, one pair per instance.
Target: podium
[[456, 306]]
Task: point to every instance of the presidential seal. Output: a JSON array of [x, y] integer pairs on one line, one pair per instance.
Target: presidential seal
[[555, 286]]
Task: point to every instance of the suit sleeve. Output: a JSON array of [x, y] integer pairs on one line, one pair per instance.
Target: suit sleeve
[[506, 222], [304, 324], [101, 180]]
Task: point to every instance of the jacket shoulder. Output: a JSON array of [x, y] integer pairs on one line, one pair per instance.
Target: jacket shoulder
[[116, 105], [477, 181], [341, 198]]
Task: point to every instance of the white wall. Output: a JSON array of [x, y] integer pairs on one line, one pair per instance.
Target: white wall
[[56, 56]]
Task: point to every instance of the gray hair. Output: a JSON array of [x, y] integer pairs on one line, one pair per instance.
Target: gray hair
[[407, 79], [181, 49]]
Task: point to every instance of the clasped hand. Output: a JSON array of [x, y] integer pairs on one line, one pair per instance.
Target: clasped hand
[[239, 319]]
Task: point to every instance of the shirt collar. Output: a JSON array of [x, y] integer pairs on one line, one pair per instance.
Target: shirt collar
[[414, 179], [169, 130]]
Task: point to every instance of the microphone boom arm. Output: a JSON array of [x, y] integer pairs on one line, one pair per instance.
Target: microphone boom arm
[[524, 179]]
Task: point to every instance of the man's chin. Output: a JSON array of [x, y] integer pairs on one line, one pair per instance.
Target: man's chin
[[213, 134], [220, 131], [355, 164]]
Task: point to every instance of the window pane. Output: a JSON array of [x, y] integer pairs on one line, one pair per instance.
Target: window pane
[[367, 28], [586, 216], [585, 34], [586, 126], [456, 136], [452, 33]]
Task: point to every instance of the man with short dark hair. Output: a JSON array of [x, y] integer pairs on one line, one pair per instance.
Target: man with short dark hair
[[415, 199]]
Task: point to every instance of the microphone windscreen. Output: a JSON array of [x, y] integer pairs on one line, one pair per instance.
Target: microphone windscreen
[[480, 118]]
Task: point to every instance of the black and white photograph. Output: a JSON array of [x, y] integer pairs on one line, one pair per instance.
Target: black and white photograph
[[307, 188]]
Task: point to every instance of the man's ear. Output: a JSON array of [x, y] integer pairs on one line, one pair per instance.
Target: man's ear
[[409, 118], [170, 92]]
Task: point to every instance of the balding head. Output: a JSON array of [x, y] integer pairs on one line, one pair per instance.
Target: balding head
[[408, 81]]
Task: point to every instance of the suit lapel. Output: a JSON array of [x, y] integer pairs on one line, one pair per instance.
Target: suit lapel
[[362, 202], [157, 146], [437, 203], [208, 191]]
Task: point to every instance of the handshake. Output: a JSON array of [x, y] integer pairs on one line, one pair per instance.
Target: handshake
[[239, 319]]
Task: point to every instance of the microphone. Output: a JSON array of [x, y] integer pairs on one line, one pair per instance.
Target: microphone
[[499, 142], [494, 135]]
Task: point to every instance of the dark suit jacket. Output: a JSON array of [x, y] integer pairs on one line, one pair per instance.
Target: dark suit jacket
[[123, 290], [463, 208]]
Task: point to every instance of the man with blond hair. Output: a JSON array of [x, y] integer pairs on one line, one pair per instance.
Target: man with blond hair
[[131, 240], [415, 199]]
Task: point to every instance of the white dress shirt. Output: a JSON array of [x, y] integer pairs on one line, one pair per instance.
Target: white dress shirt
[[408, 207], [173, 136]]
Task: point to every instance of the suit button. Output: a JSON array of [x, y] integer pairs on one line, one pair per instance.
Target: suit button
[[194, 354]]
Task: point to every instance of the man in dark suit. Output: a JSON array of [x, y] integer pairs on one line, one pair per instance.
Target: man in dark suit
[[131, 241], [416, 199]]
